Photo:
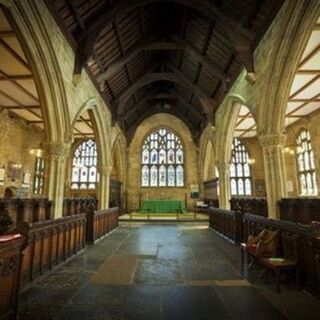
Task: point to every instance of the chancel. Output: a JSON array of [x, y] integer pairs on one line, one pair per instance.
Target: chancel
[[159, 159]]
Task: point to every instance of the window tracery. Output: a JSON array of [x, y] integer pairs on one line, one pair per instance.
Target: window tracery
[[305, 162], [162, 160], [85, 166], [240, 170]]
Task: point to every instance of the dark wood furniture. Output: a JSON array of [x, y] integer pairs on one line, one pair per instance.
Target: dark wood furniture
[[72, 206], [50, 243], [287, 262], [227, 223], [10, 261], [210, 192], [257, 206], [115, 199], [29, 210], [300, 210], [100, 223]]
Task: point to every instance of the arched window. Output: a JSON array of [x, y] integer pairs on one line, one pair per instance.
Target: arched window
[[240, 171], [38, 179], [162, 160], [305, 161], [84, 166]]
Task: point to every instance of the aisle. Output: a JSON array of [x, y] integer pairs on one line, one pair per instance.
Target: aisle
[[144, 271]]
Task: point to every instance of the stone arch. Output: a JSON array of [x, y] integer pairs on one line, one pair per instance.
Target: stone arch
[[226, 122], [34, 37], [101, 130], [298, 19], [134, 189], [119, 148], [206, 156]]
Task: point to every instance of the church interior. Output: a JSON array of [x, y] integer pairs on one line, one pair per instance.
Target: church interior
[[159, 159]]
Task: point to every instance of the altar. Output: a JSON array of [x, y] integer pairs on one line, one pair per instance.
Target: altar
[[162, 206]]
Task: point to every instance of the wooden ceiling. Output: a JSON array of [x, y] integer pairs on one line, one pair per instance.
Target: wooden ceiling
[[246, 125], [177, 56], [305, 90], [18, 92]]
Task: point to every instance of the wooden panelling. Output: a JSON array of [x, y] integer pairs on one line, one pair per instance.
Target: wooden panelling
[[257, 206], [10, 260], [29, 210], [99, 223], [301, 210], [50, 243]]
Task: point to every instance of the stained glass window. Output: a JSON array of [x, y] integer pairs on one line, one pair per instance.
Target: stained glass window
[[84, 173], [305, 162], [240, 170], [162, 160], [38, 179]]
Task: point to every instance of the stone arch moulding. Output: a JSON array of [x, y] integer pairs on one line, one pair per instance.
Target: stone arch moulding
[[119, 146], [32, 34], [301, 16], [226, 120], [101, 129], [206, 143], [98, 117]]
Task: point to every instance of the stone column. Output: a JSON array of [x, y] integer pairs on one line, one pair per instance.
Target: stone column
[[274, 167], [224, 184], [56, 154], [104, 186]]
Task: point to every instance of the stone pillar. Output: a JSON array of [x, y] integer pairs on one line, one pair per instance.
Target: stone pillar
[[274, 167], [224, 184], [56, 154], [104, 186]]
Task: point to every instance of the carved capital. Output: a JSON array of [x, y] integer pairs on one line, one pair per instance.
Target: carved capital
[[272, 140], [56, 150], [222, 166], [105, 170]]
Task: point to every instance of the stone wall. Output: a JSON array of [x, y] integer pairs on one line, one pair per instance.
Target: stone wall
[[134, 189], [16, 140]]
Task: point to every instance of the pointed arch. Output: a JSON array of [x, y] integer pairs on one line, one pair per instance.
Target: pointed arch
[[101, 129], [294, 34], [119, 148], [34, 37]]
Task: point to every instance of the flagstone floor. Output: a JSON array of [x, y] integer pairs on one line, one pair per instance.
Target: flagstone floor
[[160, 271]]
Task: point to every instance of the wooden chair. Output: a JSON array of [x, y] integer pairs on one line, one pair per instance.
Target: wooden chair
[[287, 262]]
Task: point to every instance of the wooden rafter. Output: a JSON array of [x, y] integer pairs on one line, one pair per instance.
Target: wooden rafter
[[19, 104], [153, 77], [304, 87], [14, 54], [144, 45], [238, 35], [314, 98], [18, 85]]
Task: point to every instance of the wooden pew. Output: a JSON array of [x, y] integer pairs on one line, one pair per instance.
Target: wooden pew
[[29, 210], [50, 243], [100, 223], [308, 244], [299, 210], [226, 222], [10, 261], [257, 206]]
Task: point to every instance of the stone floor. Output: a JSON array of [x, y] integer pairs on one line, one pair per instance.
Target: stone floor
[[168, 271]]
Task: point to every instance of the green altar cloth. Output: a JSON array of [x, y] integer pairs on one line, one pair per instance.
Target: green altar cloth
[[162, 206]]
